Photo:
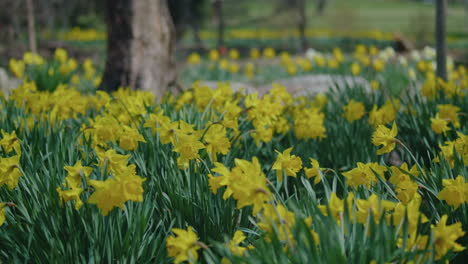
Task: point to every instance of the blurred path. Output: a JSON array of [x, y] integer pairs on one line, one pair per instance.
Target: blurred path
[[305, 85]]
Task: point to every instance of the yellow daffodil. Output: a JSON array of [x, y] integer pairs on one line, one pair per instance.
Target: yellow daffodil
[[439, 125], [354, 111], [183, 246], [364, 174], [445, 237], [455, 191], [314, 171], [285, 162], [385, 137], [76, 174], [9, 171]]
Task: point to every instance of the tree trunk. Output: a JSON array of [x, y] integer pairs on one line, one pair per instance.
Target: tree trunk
[[219, 15], [301, 6], [31, 26], [440, 35], [140, 46], [466, 15], [321, 4]]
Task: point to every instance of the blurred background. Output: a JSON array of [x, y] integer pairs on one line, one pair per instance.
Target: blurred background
[[291, 25]]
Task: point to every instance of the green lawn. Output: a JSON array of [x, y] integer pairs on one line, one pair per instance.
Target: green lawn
[[409, 18]]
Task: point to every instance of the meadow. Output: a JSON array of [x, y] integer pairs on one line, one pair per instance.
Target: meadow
[[358, 174]]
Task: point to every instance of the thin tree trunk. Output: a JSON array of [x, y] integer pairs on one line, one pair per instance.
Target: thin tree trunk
[[321, 6], [301, 5], [440, 35], [219, 14], [140, 46], [119, 37], [31, 27], [466, 15], [194, 20]]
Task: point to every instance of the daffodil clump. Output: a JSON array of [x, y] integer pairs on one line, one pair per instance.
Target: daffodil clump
[[362, 174]]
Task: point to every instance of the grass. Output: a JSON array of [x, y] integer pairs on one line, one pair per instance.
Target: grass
[[357, 15]]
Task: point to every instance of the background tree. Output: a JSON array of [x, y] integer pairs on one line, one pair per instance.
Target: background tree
[[31, 26], [440, 35], [218, 7], [140, 46], [321, 4], [302, 22], [187, 15]]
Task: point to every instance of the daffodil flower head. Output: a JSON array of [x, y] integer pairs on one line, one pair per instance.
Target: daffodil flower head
[[285, 162], [183, 246], [385, 137]]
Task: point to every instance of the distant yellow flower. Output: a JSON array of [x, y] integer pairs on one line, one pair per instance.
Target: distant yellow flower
[[32, 58], [233, 67], [385, 137], [385, 114], [449, 112], [17, 67], [375, 85], [61, 55], [183, 246], [445, 237], [355, 68], [378, 65], [338, 55], [223, 64], [10, 142], [254, 53], [455, 191], [193, 58], [309, 124], [249, 70], [291, 69], [213, 55], [269, 53], [333, 63], [234, 54], [319, 60], [354, 111], [290, 164]]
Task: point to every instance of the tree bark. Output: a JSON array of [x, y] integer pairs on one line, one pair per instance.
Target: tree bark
[[219, 15], [31, 26], [301, 5], [440, 35], [140, 46], [321, 4], [466, 14]]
